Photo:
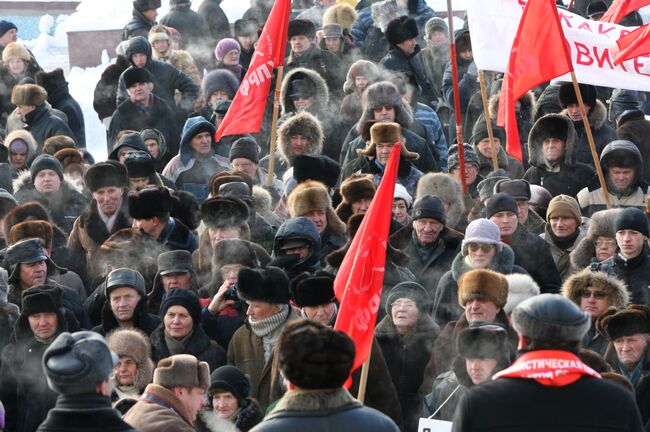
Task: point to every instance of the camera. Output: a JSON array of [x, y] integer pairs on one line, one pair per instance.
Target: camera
[[231, 294]]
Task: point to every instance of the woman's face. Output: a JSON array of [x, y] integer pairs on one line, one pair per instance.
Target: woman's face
[[16, 66], [224, 404]]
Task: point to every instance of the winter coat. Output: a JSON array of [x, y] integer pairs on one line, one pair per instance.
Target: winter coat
[[602, 132], [635, 273], [592, 198], [406, 358], [60, 98], [128, 115], [509, 164], [429, 119], [181, 60], [23, 385], [89, 232], [42, 124], [64, 206], [407, 175], [105, 95], [445, 350], [642, 386], [397, 61], [587, 404], [216, 19], [446, 390], [167, 79], [467, 84], [142, 320], [326, 64], [534, 256], [634, 127], [562, 256], [572, 176], [199, 345], [159, 410], [330, 241], [330, 409], [445, 302], [7, 83], [430, 263], [194, 28], [434, 60], [246, 419], [139, 25], [524, 116], [8, 315], [87, 412], [246, 351]]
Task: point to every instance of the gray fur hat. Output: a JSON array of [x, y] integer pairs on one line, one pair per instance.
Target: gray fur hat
[[135, 344], [384, 93], [220, 79], [601, 224], [182, 370], [550, 317]]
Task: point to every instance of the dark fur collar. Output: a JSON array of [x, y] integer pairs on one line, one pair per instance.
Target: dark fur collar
[[95, 227]]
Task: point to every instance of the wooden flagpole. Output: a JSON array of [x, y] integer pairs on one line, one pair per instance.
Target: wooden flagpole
[[364, 378], [454, 77], [274, 123], [590, 138], [488, 120]]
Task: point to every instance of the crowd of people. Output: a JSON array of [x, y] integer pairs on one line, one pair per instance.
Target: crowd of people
[[187, 284]]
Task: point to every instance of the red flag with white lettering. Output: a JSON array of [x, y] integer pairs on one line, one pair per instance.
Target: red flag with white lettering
[[620, 8], [247, 109], [633, 44], [539, 34], [360, 277]]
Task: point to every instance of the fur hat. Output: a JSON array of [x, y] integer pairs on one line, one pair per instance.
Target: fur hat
[[224, 177], [568, 96], [301, 27], [15, 50], [71, 160], [483, 341], [150, 202], [550, 318], [159, 33], [312, 195], [246, 27], [483, 284], [31, 210], [383, 12], [435, 24], [269, 284], [480, 131], [135, 344], [182, 297], [233, 380], [145, 5], [520, 288], [219, 79], [23, 135], [31, 229], [234, 251], [312, 290], [633, 219], [400, 30], [381, 132], [364, 68], [43, 162], [186, 209], [471, 157], [106, 174], [51, 81], [222, 212], [41, 298], [139, 164], [224, 46], [28, 94], [551, 126], [314, 356], [614, 323], [601, 224], [447, 188], [316, 167], [302, 123], [134, 75], [616, 289], [182, 370], [342, 14], [355, 188], [384, 93], [410, 290]]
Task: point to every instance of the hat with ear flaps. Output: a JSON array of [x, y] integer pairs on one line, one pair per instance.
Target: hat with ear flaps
[[135, 344], [182, 370], [384, 93], [340, 13], [400, 30], [614, 323], [312, 195], [601, 224], [355, 188], [380, 132]]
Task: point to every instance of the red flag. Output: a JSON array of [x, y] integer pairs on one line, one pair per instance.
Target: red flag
[[620, 8], [360, 277], [247, 108], [633, 44], [539, 33]]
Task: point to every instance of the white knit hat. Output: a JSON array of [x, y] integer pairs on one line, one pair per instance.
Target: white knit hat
[[482, 231], [402, 193]]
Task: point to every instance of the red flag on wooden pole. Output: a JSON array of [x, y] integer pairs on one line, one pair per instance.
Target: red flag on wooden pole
[[360, 277], [633, 44], [620, 8], [247, 108], [539, 33]]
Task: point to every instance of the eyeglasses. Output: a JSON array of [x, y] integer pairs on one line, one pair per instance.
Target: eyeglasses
[[383, 108], [585, 294], [602, 243], [408, 305], [482, 246]]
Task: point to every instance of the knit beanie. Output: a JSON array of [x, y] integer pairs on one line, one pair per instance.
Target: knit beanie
[[482, 231], [410, 290], [225, 46], [633, 219], [564, 206], [185, 298], [231, 379], [245, 147], [44, 162], [500, 202], [430, 207]]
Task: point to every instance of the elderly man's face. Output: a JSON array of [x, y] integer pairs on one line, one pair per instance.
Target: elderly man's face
[[180, 280], [123, 301], [43, 324], [382, 150], [553, 149], [319, 217], [202, 143], [630, 349], [140, 92], [109, 199], [427, 230], [321, 313], [259, 310], [481, 310], [32, 274]]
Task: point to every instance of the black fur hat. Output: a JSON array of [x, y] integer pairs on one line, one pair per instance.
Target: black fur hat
[[150, 202], [135, 75], [313, 290], [316, 167], [145, 5], [615, 323], [401, 29], [269, 284], [568, 95], [50, 81], [301, 27], [186, 209], [220, 212], [483, 341], [103, 174]]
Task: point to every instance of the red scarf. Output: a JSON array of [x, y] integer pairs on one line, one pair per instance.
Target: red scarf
[[549, 367]]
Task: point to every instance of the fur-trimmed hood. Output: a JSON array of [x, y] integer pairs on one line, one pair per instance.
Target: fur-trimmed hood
[[551, 125], [302, 123], [24, 135], [370, 70], [445, 187], [614, 287], [322, 92], [384, 93], [502, 262], [597, 116], [135, 344], [600, 224], [527, 110]]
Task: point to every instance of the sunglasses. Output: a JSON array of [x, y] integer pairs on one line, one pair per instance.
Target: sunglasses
[[596, 294], [482, 246]]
